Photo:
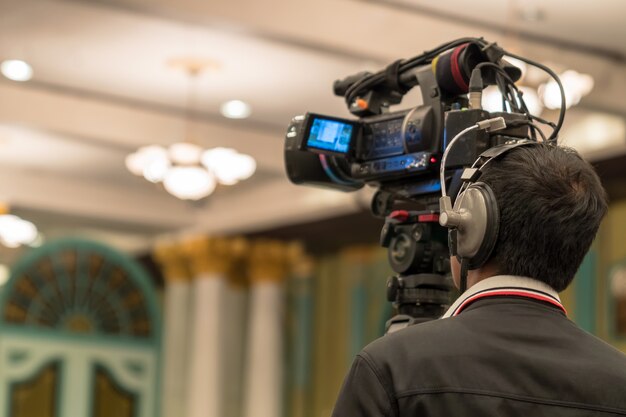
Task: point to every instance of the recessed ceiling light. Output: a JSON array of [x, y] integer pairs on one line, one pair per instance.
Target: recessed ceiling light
[[236, 109], [531, 13], [16, 70]]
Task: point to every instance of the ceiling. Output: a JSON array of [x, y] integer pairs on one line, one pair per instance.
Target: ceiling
[[104, 85]]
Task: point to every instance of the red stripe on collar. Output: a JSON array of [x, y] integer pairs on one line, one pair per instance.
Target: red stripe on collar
[[510, 293]]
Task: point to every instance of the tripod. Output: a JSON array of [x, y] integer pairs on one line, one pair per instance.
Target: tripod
[[418, 252]]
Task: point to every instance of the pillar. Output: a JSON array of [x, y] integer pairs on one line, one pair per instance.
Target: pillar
[[175, 329], [209, 260], [264, 370], [234, 339], [300, 283]]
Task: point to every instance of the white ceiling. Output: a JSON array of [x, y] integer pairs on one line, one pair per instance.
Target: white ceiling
[[598, 25], [103, 87], [114, 53]]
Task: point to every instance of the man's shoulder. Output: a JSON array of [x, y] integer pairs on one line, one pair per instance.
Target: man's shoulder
[[476, 334], [477, 341], [424, 340], [434, 328]]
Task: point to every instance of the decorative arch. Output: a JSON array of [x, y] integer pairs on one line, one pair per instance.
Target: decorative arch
[[93, 312]]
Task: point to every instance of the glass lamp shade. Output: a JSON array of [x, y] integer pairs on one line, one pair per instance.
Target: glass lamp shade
[[139, 161], [15, 231], [16, 70], [492, 99], [134, 163], [216, 156], [228, 166], [551, 95], [246, 166], [576, 86], [226, 177], [185, 153], [531, 98], [156, 170], [9, 243], [187, 172], [189, 182]]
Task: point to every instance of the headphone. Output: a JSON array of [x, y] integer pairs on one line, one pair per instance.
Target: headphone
[[475, 219]]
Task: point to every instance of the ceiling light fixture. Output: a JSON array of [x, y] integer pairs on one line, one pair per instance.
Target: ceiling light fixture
[[596, 134], [236, 109], [16, 70], [186, 170], [531, 98], [15, 231], [187, 174], [189, 182], [492, 99], [531, 13], [575, 84]]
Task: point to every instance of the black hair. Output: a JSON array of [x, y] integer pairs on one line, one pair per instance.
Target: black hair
[[551, 204]]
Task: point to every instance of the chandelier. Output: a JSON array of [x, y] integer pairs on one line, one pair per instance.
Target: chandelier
[[15, 231], [539, 93], [189, 172], [185, 169]]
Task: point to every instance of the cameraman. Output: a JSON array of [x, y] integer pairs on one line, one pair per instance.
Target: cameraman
[[506, 346]]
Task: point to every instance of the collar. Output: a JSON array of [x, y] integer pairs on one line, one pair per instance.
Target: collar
[[506, 285]]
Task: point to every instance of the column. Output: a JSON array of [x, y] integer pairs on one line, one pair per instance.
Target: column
[[264, 369], [234, 339], [359, 263], [300, 333], [210, 260], [175, 329]]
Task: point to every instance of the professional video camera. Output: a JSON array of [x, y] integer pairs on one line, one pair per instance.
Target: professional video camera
[[407, 154]]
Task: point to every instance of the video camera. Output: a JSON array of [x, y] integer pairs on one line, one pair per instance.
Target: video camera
[[400, 152], [412, 155]]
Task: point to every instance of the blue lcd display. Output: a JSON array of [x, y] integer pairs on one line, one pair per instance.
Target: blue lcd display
[[329, 135]]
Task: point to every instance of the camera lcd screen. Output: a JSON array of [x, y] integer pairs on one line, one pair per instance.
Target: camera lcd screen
[[330, 135]]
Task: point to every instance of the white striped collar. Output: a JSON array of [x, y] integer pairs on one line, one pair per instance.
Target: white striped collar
[[505, 285]]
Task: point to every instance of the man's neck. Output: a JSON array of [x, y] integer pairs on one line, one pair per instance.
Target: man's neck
[[476, 275]]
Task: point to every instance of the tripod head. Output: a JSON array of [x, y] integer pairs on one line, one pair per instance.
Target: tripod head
[[417, 250], [417, 298]]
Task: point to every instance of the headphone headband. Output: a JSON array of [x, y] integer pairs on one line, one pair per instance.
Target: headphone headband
[[496, 151]]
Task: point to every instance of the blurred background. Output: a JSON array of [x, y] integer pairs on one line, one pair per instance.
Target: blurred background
[[154, 258]]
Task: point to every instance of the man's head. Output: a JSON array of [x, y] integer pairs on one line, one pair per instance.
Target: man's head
[[551, 203]]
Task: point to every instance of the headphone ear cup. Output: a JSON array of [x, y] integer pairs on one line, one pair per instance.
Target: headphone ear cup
[[492, 229], [477, 235]]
